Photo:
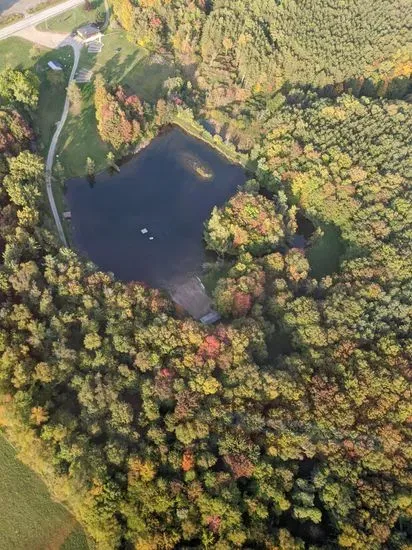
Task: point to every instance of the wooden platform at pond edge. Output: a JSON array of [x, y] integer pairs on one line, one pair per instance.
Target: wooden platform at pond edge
[[192, 296]]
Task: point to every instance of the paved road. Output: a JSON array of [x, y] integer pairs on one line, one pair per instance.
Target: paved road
[[77, 46], [37, 18]]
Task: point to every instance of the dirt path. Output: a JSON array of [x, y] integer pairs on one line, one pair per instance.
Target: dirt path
[[77, 46], [53, 40], [49, 39]]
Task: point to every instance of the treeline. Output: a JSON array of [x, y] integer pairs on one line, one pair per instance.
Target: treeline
[[343, 382], [243, 48], [283, 427], [177, 434]]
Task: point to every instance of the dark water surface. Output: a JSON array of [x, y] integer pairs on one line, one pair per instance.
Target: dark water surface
[[158, 190]]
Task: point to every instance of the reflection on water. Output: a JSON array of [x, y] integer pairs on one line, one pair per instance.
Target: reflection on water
[[156, 192]]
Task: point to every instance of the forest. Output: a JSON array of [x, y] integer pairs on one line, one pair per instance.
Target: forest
[[286, 426]]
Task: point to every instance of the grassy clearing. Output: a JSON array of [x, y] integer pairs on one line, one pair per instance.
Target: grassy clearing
[[80, 139], [119, 62], [70, 20], [324, 255], [18, 53], [52, 93], [28, 516]]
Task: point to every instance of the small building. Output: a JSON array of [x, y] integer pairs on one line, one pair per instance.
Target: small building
[[55, 65], [89, 33]]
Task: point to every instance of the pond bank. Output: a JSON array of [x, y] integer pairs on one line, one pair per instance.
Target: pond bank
[[195, 129], [146, 223]]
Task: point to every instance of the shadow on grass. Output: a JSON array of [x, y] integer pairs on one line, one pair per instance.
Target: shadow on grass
[[137, 75], [80, 139], [52, 92]]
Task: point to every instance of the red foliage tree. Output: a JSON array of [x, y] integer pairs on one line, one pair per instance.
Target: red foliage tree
[[188, 461], [240, 465], [210, 347], [241, 304]]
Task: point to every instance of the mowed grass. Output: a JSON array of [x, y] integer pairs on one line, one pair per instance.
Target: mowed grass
[[71, 20], [324, 255], [52, 93], [18, 53], [29, 518], [120, 62], [80, 139]]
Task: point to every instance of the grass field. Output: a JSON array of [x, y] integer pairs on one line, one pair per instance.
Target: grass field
[[29, 518], [324, 255], [119, 62], [21, 54], [52, 93], [18, 53], [70, 20]]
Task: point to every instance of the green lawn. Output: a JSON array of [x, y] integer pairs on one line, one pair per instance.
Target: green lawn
[[29, 518], [119, 62], [21, 54], [52, 93], [80, 139], [18, 53], [70, 20], [324, 255], [124, 62]]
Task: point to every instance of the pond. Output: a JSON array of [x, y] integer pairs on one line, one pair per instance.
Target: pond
[[161, 190]]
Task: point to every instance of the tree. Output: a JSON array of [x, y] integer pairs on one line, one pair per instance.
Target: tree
[[246, 223], [90, 167], [111, 161], [117, 116], [75, 97], [19, 87], [25, 177]]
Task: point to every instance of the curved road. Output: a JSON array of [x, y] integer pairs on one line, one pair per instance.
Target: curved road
[[37, 18], [52, 150]]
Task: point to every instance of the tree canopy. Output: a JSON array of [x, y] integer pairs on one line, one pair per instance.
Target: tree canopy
[[287, 424]]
